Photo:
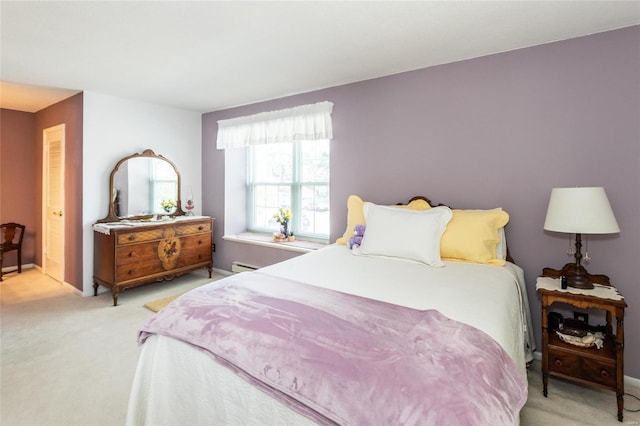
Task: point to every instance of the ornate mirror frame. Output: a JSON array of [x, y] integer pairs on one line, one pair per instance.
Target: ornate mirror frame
[[113, 217]]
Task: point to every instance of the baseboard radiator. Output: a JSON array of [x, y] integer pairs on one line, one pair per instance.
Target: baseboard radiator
[[237, 266]]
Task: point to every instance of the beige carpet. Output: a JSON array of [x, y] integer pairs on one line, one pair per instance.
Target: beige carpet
[[157, 305], [70, 360]]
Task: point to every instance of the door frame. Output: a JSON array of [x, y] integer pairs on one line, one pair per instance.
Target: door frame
[[45, 180]]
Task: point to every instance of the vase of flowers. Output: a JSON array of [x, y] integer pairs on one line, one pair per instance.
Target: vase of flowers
[[283, 217], [168, 205]]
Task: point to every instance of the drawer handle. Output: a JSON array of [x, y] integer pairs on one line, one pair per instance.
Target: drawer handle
[[200, 228], [604, 373], [558, 363], [132, 271], [133, 254], [132, 237], [200, 242]]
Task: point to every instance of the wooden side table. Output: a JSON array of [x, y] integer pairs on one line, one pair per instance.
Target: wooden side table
[[603, 368]]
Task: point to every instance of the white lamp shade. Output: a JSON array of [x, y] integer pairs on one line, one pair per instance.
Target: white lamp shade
[[580, 211]]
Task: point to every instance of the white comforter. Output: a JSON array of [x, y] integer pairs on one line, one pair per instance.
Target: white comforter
[[179, 384]]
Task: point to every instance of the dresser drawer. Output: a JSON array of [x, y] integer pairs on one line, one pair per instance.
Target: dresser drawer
[[197, 242], [564, 363], [586, 368], [139, 236], [138, 270], [193, 228], [196, 249], [136, 253], [599, 372]]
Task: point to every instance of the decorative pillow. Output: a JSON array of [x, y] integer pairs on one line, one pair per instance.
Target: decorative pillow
[[474, 235], [404, 233], [355, 214]]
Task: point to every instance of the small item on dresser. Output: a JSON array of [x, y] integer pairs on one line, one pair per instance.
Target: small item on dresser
[[585, 341], [571, 331], [563, 282], [555, 320]]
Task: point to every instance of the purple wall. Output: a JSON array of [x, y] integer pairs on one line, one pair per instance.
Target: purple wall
[[69, 112], [17, 179], [500, 130], [21, 164]]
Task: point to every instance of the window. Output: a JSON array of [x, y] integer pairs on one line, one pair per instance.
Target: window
[[292, 176], [286, 165]]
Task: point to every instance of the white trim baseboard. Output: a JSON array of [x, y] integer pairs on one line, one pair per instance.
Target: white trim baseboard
[[222, 272], [7, 269]]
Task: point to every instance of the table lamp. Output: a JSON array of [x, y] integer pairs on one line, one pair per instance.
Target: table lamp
[[579, 211]]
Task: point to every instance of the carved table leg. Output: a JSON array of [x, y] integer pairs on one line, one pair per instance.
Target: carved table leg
[[115, 297], [620, 397], [210, 269], [619, 361], [95, 288]]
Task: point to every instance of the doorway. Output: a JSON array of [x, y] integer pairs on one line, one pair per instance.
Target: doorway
[[53, 229]]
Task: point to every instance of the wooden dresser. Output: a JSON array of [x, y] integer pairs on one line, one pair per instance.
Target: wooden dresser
[[602, 367], [130, 255]]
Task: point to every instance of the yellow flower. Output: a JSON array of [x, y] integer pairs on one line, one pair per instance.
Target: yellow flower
[[283, 216]]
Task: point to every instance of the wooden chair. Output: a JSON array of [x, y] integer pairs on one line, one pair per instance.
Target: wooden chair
[[11, 235]]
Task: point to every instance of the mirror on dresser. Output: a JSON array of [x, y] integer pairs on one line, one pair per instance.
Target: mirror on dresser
[[142, 186], [146, 237]]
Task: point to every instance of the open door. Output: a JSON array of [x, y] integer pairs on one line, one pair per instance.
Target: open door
[[53, 202]]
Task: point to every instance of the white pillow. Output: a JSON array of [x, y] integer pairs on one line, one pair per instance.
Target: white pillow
[[403, 233], [501, 248]]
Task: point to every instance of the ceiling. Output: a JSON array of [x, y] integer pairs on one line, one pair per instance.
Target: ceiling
[[206, 56]]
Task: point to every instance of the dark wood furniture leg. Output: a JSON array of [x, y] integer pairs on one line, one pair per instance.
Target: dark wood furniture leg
[[545, 342], [620, 361]]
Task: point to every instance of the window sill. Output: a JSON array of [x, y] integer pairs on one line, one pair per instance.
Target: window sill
[[299, 246]]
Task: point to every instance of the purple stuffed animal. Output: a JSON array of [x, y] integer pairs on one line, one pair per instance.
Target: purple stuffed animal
[[358, 233]]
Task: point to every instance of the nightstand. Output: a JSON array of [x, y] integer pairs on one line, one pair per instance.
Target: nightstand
[[603, 368]]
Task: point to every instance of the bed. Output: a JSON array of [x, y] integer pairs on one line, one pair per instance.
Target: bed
[[466, 325]]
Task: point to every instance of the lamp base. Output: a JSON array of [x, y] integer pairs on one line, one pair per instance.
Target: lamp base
[[577, 276]]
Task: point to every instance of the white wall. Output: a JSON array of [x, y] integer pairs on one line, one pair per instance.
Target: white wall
[[116, 127]]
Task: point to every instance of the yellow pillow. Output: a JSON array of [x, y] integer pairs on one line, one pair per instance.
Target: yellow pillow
[[472, 236], [355, 214]]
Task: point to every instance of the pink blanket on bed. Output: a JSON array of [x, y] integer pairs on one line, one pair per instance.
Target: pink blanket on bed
[[344, 359]]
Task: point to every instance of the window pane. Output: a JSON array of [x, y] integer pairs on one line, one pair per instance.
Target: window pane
[[314, 212], [267, 200], [273, 162], [315, 161]]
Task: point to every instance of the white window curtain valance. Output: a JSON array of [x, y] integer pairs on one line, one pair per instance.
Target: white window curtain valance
[[306, 122]]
